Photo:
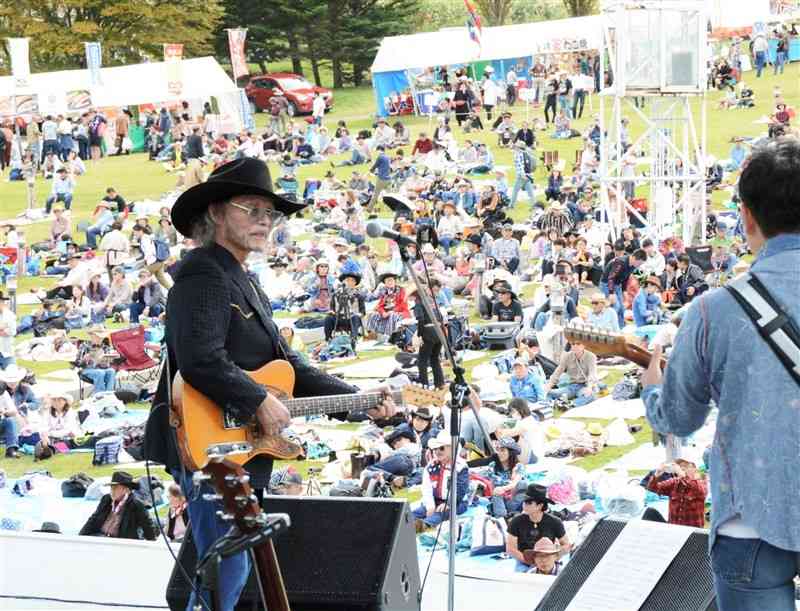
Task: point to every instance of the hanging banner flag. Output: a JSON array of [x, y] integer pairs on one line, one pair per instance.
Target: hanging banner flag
[[236, 38], [474, 26], [248, 121], [20, 65], [94, 59], [173, 53]]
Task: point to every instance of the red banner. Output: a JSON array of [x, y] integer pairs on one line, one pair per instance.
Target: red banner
[[236, 38], [173, 53]]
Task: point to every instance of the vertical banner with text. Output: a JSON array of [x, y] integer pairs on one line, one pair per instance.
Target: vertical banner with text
[[173, 53], [94, 59], [20, 64], [236, 38]]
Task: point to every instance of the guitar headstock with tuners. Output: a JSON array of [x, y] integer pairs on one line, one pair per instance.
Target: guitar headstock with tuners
[[419, 396], [605, 343]]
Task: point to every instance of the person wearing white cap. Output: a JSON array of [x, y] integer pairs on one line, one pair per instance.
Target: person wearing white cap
[[16, 396], [436, 483], [8, 329], [103, 219]]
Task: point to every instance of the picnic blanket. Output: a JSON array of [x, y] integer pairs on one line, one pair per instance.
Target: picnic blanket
[[606, 408]]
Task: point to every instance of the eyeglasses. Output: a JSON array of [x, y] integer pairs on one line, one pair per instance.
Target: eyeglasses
[[441, 449], [257, 214]]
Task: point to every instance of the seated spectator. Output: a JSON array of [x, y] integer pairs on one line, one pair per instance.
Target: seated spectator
[[434, 508], [391, 308], [563, 127], [166, 232], [601, 316], [178, 516], [528, 429], [148, 300], [120, 514], [506, 473], [450, 227], [544, 557], [94, 360], [580, 365], [59, 227], [396, 458], [97, 293], [120, 295], [533, 524], [421, 424], [8, 329], [690, 280], [526, 383], [59, 420], [686, 490], [286, 481], [506, 249], [115, 200], [61, 191], [78, 309], [347, 308], [554, 183], [507, 308], [422, 146], [102, 221], [647, 304]]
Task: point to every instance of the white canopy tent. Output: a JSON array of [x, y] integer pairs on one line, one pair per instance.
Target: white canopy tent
[[727, 14], [132, 85], [503, 46]]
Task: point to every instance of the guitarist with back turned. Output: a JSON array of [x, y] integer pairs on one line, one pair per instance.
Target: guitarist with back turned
[[219, 325]]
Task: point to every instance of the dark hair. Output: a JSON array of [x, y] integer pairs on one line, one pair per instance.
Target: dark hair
[[559, 242], [111, 190], [520, 406], [513, 460], [619, 246], [639, 255], [770, 186], [647, 243], [684, 258]]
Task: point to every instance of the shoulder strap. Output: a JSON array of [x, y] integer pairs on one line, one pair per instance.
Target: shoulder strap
[[779, 331]]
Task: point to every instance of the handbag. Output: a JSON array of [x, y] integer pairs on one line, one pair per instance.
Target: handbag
[[488, 535], [779, 331]]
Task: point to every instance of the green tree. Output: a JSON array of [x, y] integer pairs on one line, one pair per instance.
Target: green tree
[[579, 8], [494, 12], [129, 30]]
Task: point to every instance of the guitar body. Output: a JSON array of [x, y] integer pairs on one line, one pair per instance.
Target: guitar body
[[200, 422]]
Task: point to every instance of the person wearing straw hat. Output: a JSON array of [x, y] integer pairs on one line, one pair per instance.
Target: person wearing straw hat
[[120, 514], [434, 508], [21, 393], [59, 420], [219, 327], [544, 557], [647, 303]]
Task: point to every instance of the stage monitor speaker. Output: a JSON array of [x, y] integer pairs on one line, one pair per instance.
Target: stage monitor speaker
[[701, 256], [338, 554], [686, 585]]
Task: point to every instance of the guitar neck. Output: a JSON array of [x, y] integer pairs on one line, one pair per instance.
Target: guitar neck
[[316, 406]]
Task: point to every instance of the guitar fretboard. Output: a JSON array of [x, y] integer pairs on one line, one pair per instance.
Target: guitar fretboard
[[314, 406]]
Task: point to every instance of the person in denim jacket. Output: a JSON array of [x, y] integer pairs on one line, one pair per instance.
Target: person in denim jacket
[[525, 383], [720, 357]]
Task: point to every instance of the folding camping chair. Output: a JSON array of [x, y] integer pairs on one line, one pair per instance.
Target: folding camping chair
[[550, 159], [136, 369]]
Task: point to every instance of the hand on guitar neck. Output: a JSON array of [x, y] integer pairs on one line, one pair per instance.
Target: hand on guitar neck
[[652, 375]]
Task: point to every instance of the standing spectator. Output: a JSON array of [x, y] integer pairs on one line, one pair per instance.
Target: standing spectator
[[721, 361], [122, 126], [65, 143], [97, 128], [620, 271], [62, 189], [430, 351], [120, 514], [143, 235], [686, 490], [81, 137], [318, 108], [148, 300], [49, 136], [8, 329], [760, 50], [564, 93], [523, 166], [511, 86], [382, 168], [490, 94], [115, 246]]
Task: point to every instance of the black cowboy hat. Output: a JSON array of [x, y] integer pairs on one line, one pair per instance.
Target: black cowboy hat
[[350, 274], [382, 277], [423, 412], [123, 478], [504, 287], [49, 527], [398, 433], [398, 204], [246, 176], [475, 239], [536, 493]]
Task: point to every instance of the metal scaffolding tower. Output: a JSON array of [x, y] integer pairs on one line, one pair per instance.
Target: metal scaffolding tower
[[656, 53]]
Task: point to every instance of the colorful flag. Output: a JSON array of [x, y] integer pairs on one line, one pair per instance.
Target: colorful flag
[[173, 53], [474, 23], [236, 38], [94, 59], [20, 65]]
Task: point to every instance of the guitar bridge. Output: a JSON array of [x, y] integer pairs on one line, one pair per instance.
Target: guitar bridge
[[220, 450]]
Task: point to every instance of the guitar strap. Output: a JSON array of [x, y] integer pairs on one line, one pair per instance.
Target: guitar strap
[[779, 331]]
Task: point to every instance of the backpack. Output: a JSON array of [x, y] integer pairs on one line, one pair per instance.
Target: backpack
[[162, 249], [106, 450], [76, 486], [143, 492]]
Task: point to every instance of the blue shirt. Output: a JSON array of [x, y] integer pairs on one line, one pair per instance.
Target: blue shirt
[[720, 356], [531, 387], [382, 168], [607, 319], [644, 306]]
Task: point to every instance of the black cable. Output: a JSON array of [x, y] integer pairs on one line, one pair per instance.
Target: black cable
[[80, 602]]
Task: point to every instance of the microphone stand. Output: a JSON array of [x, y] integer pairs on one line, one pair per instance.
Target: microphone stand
[[459, 396]]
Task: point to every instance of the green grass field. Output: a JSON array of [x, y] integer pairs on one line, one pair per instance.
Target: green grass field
[[137, 178]]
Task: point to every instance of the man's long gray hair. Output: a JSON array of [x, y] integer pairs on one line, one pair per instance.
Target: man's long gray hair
[[204, 228]]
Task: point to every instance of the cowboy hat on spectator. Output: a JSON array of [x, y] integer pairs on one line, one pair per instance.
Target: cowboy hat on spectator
[[13, 374]]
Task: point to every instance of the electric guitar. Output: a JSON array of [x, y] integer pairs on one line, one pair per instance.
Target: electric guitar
[[605, 343], [240, 506], [204, 430]]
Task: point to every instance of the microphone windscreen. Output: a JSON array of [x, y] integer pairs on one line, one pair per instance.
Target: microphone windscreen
[[374, 229]]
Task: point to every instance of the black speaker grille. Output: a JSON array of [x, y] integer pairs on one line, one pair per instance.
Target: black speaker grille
[[685, 586]]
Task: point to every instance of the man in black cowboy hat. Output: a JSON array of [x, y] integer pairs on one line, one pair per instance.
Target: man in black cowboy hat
[[120, 514], [219, 326], [347, 307], [532, 524], [507, 308]]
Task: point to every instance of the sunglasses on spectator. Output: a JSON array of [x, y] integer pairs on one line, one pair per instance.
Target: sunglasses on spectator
[[257, 214], [441, 449]]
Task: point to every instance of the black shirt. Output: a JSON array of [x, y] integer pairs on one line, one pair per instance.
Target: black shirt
[[507, 313], [527, 533], [117, 201]]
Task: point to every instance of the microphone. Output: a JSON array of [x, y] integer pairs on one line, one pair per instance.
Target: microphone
[[376, 230]]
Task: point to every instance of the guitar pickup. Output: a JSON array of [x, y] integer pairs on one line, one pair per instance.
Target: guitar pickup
[[220, 450]]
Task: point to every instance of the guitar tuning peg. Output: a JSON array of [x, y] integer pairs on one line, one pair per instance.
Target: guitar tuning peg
[[243, 499], [224, 516], [212, 497], [199, 477]]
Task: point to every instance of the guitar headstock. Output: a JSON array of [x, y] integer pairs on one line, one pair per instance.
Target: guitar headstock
[[232, 486], [414, 394], [599, 341]]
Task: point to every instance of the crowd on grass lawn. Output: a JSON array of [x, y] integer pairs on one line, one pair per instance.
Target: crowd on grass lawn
[[484, 234]]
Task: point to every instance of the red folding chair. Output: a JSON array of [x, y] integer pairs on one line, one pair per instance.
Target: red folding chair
[[130, 345]]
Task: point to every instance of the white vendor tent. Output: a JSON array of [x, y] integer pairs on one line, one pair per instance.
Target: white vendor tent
[[400, 58], [731, 15], [201, 78]]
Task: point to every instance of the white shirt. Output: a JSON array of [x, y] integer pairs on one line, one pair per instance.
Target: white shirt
[[654, 265], [148, 249], [490, 93], [533, 434], [318, 107], [8, 324], [449, 226], [511, 77]]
